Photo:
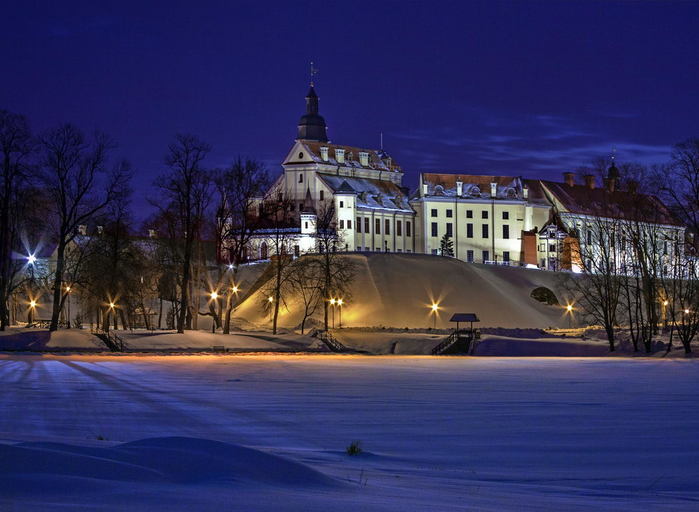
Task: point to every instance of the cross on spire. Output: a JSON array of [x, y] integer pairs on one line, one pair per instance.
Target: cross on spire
[[314, 71]]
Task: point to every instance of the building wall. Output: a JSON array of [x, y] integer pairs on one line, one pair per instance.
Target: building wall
[[400, 236]]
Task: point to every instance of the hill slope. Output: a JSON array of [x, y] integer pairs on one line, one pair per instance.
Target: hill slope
[[396, 290]]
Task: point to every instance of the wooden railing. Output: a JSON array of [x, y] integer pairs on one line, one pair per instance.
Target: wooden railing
[[445, 345], [331, 342]]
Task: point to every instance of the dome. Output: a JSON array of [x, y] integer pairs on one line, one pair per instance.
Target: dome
[[312, 125]]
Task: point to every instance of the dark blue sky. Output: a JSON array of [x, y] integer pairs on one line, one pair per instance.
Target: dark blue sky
[[521, 88]]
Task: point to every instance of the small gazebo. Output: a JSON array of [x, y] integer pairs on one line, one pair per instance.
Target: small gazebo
[[469, 318]]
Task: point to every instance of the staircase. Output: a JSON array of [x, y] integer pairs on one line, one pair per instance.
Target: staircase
[[111, 339], [458, 342], [331, 342]]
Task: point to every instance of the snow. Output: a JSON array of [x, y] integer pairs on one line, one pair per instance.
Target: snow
[[262, 432], [396, 290]]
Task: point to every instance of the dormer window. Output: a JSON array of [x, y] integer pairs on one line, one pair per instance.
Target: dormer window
[[340, 155], [324, 153], [364, 158]]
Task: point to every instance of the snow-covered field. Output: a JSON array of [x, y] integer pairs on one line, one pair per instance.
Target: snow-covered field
[[260, 433]]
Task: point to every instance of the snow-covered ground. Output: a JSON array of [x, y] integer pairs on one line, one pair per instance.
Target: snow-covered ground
[[269, 433]]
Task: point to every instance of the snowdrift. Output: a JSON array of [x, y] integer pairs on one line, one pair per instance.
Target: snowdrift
[[396, 290], [183, 460]]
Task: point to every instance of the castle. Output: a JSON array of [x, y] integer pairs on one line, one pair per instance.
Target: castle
[[507, 220]]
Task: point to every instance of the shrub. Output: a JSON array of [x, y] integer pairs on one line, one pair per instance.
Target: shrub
[[354, 448], [543, 294]]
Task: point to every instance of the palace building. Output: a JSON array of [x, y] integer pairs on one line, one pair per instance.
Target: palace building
[[506, 220]]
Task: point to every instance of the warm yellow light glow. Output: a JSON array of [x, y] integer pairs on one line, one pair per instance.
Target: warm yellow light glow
[[569, 308], [665, 303], [686, 311], [339, 302], [435, 307], [112, 305], [67, 289], [32, 303], [271, 299], [332, 302], [235, 289], [214, 295]]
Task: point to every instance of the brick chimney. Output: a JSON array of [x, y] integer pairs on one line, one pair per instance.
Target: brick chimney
[[632, 186], [590, 181], [569, 178]]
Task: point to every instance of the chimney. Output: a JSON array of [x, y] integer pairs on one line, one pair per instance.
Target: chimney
[[525, 192], [493, 189], [590, 181], [324, 153], [632, 186], [424, 189], [569, 178], [151, 233], [459, 187]]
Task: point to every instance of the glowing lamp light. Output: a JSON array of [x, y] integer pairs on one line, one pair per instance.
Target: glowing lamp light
[[339, 302], [214, 295], [333, 302], [112, 305], [569, 308], [67, 289], [271, 299], [230, 266], [32, 304], [434, 307], [235, 289], [665, 303], [686, 311], [31, 259]]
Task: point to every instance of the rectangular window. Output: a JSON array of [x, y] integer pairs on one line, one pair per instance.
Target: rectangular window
[[349, 224], [484, 214], [505, 215], [342, 224], [387, 227], [469, 214], [469, 256], [552, 247], [297, 251], [506, 231], [486, 256], [589, 237], [407, 228], [359, 249], [301, 178], [450, 213], [366, 249], [506, 256], [322, 195], [434, 229], [485, 230], [449, 229], [300, 207], [342, 204], [359, 224], [366, 226], [433, 212], [469, 230], [399, 228], [377, 226], [434, 251]]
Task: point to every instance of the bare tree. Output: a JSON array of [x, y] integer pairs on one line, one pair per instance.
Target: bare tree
[[305, 280], [337, 269], [186, 188], [71, 170], [16, 148], [239, 188]]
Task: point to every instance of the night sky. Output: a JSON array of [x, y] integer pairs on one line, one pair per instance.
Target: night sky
[[519, 88]]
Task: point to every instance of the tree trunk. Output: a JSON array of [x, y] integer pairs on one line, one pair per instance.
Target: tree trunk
[[58, 285]]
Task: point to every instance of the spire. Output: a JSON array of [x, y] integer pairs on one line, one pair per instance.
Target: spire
[[312, 125], [613, 172]]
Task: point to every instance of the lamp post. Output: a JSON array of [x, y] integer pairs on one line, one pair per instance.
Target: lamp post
[[30, 313], [112, 308], [340, 302], [332, 303], [68, 304], [434, 309], [569, 312], [214, 297], [665, 303], [270, 300]]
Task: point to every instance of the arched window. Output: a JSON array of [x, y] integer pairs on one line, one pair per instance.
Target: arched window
[[263, 251]]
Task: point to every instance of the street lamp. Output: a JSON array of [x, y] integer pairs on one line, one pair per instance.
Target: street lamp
[[31, 259], [30, 314], [332, 303], [68, 303], [340, 302], [214, 295], [569, 312], [434, 310]]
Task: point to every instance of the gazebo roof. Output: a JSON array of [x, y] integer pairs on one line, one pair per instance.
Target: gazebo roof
[[464, 317]]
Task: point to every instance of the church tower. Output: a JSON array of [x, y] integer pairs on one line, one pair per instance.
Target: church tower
[[312, 125]]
